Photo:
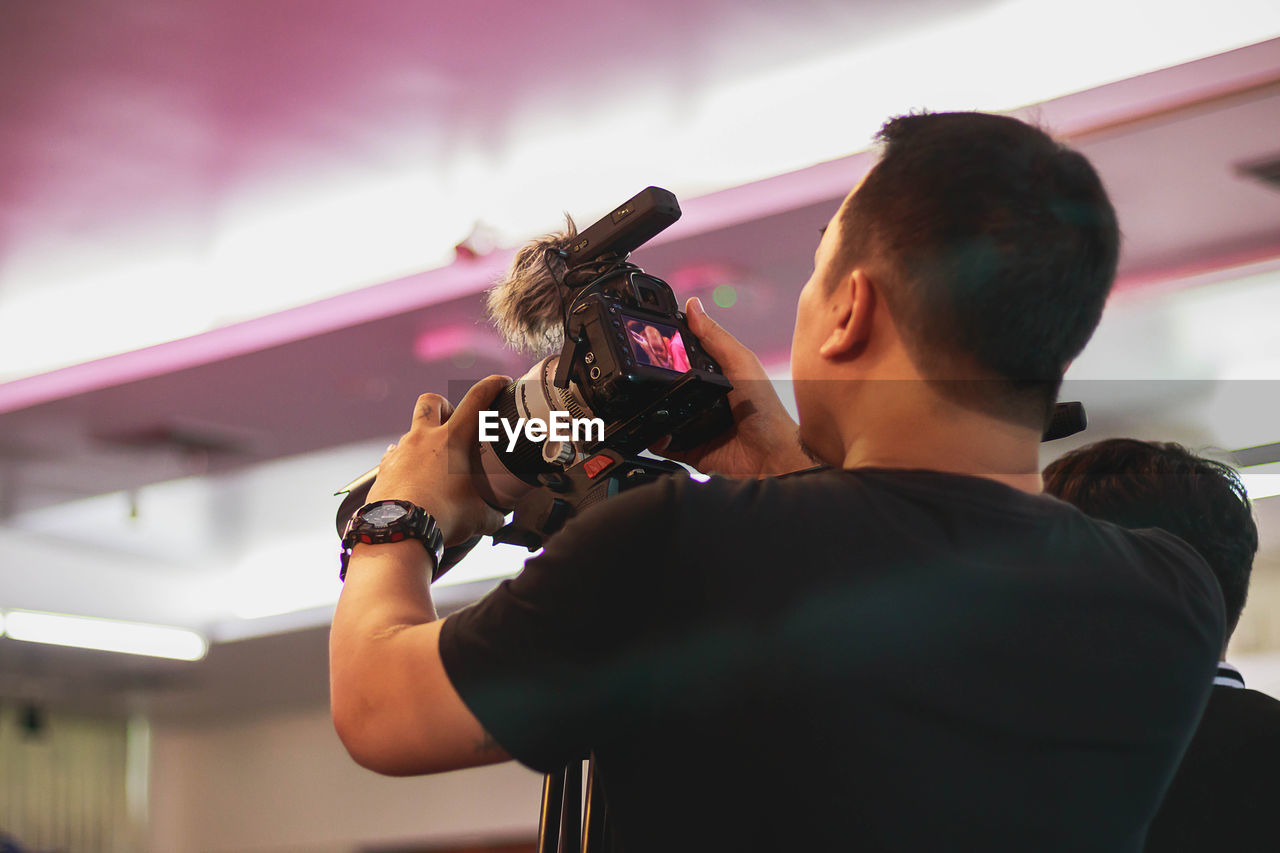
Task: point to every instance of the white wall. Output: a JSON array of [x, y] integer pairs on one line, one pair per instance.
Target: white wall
[[284, 783]]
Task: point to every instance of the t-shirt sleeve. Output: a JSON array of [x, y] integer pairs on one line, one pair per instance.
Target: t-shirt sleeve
[[1190, 583], [543, 660]]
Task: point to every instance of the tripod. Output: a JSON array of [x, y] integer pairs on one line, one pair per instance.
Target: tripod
[[568, 825]]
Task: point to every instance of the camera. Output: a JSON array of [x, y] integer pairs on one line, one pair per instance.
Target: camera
[[628, 358], [628, 366]]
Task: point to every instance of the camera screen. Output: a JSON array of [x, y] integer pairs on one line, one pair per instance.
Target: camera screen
[[657, 344]]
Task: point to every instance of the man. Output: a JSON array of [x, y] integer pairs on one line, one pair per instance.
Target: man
[[907, 649], [1225, 789]]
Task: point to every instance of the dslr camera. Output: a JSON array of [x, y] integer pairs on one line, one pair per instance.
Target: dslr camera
[[627, 356], [627, 362]]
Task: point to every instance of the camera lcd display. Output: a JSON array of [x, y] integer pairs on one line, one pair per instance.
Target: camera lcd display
[[656, 344]]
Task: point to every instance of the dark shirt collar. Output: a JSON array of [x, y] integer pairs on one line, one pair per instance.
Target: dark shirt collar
[[1228, 676]]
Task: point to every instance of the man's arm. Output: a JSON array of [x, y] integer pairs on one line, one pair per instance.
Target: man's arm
[[393, 705]]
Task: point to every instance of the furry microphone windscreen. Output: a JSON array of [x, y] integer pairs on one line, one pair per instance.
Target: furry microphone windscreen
[[526, 304]]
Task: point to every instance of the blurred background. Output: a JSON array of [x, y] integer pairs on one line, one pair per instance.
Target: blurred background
[[237, 239]]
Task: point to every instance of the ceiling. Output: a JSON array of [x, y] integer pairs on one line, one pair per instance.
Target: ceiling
[[223, 146], [179, 167], [190, 482]]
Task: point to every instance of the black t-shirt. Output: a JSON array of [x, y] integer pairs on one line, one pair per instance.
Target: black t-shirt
[[835, 660], [1224, 794]]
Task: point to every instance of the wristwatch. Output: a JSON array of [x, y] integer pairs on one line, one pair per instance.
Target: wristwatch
[[392, 521]]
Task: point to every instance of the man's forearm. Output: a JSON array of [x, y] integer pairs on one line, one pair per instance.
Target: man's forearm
[[387, 582], [386, 591]]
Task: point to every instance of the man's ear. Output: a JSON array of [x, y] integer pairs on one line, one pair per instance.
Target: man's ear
[[854, 303]]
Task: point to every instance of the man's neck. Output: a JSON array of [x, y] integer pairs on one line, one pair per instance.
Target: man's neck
[[921, 430]]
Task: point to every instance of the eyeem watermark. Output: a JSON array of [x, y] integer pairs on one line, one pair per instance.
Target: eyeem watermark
[[560, 427]]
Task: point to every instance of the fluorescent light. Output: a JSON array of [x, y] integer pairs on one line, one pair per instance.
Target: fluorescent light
[[1261, 481], [109, 635]]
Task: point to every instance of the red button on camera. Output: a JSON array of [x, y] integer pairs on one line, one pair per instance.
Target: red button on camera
[[596, 464]]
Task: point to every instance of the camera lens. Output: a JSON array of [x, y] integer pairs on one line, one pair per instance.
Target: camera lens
[[524, 460], [509, 469]]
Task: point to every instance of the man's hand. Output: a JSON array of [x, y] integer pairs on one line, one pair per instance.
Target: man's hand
[[763, 440], [433, 464]]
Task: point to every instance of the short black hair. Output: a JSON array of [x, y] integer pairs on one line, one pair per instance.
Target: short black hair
[[993, 244], [1138, 484]]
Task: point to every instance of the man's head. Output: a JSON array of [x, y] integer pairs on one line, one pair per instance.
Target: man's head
[[1138, 484], [991, 246]]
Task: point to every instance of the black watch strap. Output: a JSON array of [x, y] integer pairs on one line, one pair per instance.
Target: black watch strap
[[369, 526]]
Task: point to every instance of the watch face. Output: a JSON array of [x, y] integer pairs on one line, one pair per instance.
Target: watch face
[[381, 516]]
